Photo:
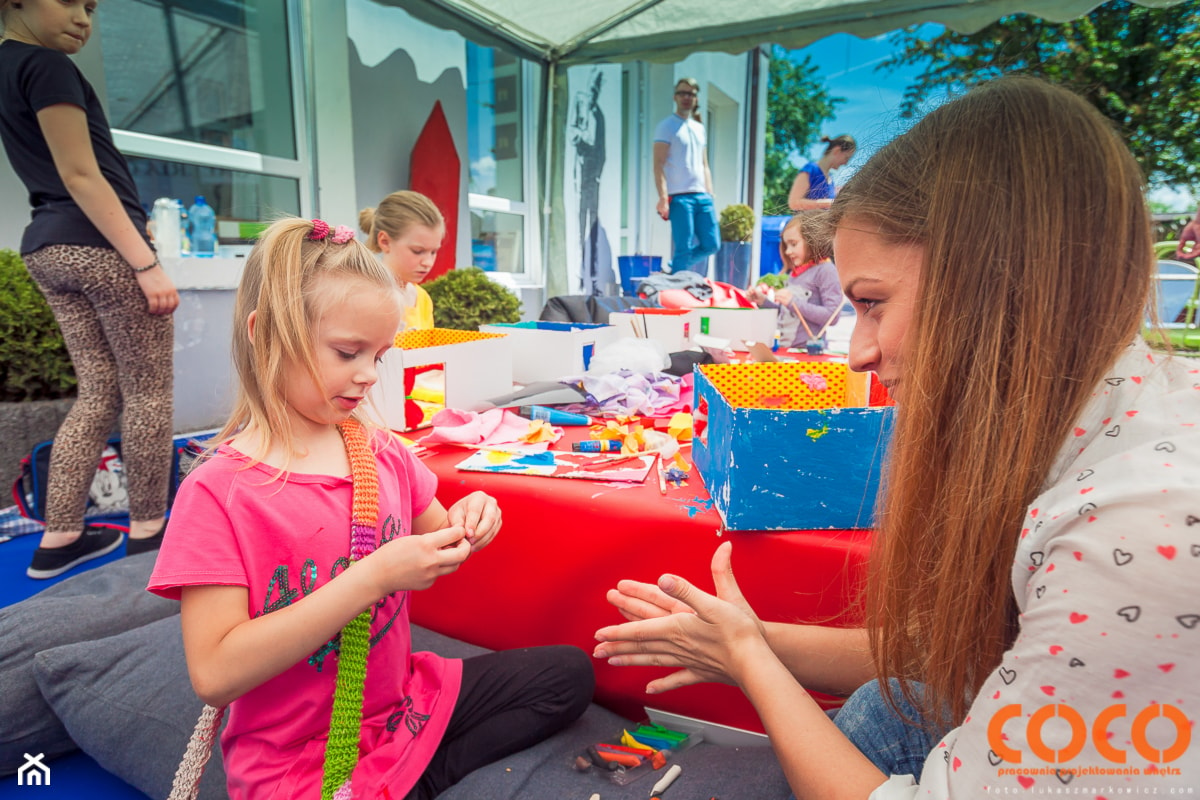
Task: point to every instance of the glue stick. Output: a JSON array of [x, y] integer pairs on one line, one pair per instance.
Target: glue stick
[[597, 446]]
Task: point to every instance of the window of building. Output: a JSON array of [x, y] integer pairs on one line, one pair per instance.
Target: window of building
[[500, 168], [203, 99]]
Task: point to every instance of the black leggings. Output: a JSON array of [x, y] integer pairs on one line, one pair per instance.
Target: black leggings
[[509, 700]]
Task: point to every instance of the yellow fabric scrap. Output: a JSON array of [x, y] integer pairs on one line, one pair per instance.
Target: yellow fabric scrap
[[680, 426], [540, 431]]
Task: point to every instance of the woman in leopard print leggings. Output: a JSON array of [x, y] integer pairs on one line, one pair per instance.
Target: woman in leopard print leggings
[[122, 356]]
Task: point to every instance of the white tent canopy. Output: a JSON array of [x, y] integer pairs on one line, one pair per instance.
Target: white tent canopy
[[561, 33], [582, 31]]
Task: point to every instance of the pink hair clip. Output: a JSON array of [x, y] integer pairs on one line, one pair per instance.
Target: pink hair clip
[[320, 230], [342, 234]]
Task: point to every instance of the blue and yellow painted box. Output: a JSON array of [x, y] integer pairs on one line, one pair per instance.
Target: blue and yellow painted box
[[789, 446]]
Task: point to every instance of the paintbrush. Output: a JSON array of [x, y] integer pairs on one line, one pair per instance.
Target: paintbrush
[[607, 462]]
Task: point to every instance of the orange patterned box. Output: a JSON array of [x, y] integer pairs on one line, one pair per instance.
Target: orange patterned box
[[789, 446], [440, 368]]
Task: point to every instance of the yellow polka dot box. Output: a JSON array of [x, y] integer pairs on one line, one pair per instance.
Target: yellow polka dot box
[[790, 446]]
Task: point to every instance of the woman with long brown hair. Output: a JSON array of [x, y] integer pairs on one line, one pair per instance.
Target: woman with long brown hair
[[1032, 612]]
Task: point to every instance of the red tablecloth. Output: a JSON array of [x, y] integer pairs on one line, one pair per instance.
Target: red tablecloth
[[566, 542]]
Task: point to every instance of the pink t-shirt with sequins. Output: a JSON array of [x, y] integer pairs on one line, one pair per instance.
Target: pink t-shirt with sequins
[[239, 525]]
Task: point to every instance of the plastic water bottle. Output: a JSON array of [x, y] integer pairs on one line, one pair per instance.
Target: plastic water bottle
[[202, 223]]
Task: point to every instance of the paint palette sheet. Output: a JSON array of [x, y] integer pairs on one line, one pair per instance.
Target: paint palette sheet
[[557, 464]]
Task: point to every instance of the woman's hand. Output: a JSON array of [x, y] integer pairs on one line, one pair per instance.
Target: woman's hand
[[1189, 239], [681, 626], [480, 515], [636, 600], [415, 562], [161, 297]]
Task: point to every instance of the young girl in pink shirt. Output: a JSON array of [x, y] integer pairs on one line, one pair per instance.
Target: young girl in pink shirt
[[294, 548]]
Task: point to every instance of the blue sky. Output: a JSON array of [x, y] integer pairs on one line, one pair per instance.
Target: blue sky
[[871, 113]]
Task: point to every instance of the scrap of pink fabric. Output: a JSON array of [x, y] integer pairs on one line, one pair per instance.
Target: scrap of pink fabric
[[495, 426]]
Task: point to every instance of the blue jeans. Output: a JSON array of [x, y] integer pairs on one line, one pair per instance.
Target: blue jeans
[[693, 231], [893, 744]]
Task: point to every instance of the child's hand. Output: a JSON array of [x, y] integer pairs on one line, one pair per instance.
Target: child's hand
[[480, 515], [415, 562], [161, 296]]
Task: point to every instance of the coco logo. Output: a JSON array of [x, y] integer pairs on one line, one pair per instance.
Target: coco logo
[[1079, 733]]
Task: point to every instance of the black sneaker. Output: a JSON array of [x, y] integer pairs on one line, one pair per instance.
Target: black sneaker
[[52, 562], [135, 547]]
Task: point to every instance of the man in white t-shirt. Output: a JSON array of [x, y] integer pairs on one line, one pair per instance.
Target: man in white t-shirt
[[684, 182]]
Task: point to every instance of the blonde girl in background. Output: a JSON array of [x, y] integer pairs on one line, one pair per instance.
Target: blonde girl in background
[[295, 545], [87, 250], [812, 297], [407, 228]]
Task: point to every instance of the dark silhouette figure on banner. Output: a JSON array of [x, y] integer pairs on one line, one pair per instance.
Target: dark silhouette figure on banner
[[587, 136]]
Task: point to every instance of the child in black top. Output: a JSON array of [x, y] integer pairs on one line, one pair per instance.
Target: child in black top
[[86, 249]]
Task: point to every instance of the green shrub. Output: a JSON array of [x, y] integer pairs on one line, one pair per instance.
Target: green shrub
[[737, 223], [34, 364], [466, 298]]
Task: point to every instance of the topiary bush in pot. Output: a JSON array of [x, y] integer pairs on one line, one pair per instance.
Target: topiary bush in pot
[[736, 223], [466, 298], [733, 257], [34, 364]]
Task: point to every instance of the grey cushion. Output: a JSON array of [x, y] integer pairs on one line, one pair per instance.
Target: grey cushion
[[91, 605], [128, 703]]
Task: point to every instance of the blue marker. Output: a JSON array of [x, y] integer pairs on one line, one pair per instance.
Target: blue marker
[[553, 415]]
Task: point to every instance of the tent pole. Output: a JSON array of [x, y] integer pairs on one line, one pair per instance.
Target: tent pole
[[547, 166]]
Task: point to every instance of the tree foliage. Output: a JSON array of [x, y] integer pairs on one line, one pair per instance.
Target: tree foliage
[[1139, 66], [798, 102]]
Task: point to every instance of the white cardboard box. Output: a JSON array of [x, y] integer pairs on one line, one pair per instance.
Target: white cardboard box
[[475, 367], [548, 351], [738, 324], [672, 327]]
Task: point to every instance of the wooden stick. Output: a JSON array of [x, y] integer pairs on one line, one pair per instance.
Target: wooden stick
[[832, 317], [796, 310], [607, 462]]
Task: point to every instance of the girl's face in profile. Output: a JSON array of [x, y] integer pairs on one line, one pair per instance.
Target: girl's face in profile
[[840, 158], [62, 25], [793, 246], [410, 256], [350, 336], [880, 279]]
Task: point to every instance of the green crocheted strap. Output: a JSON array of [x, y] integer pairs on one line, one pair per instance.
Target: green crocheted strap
[[341, 751]]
